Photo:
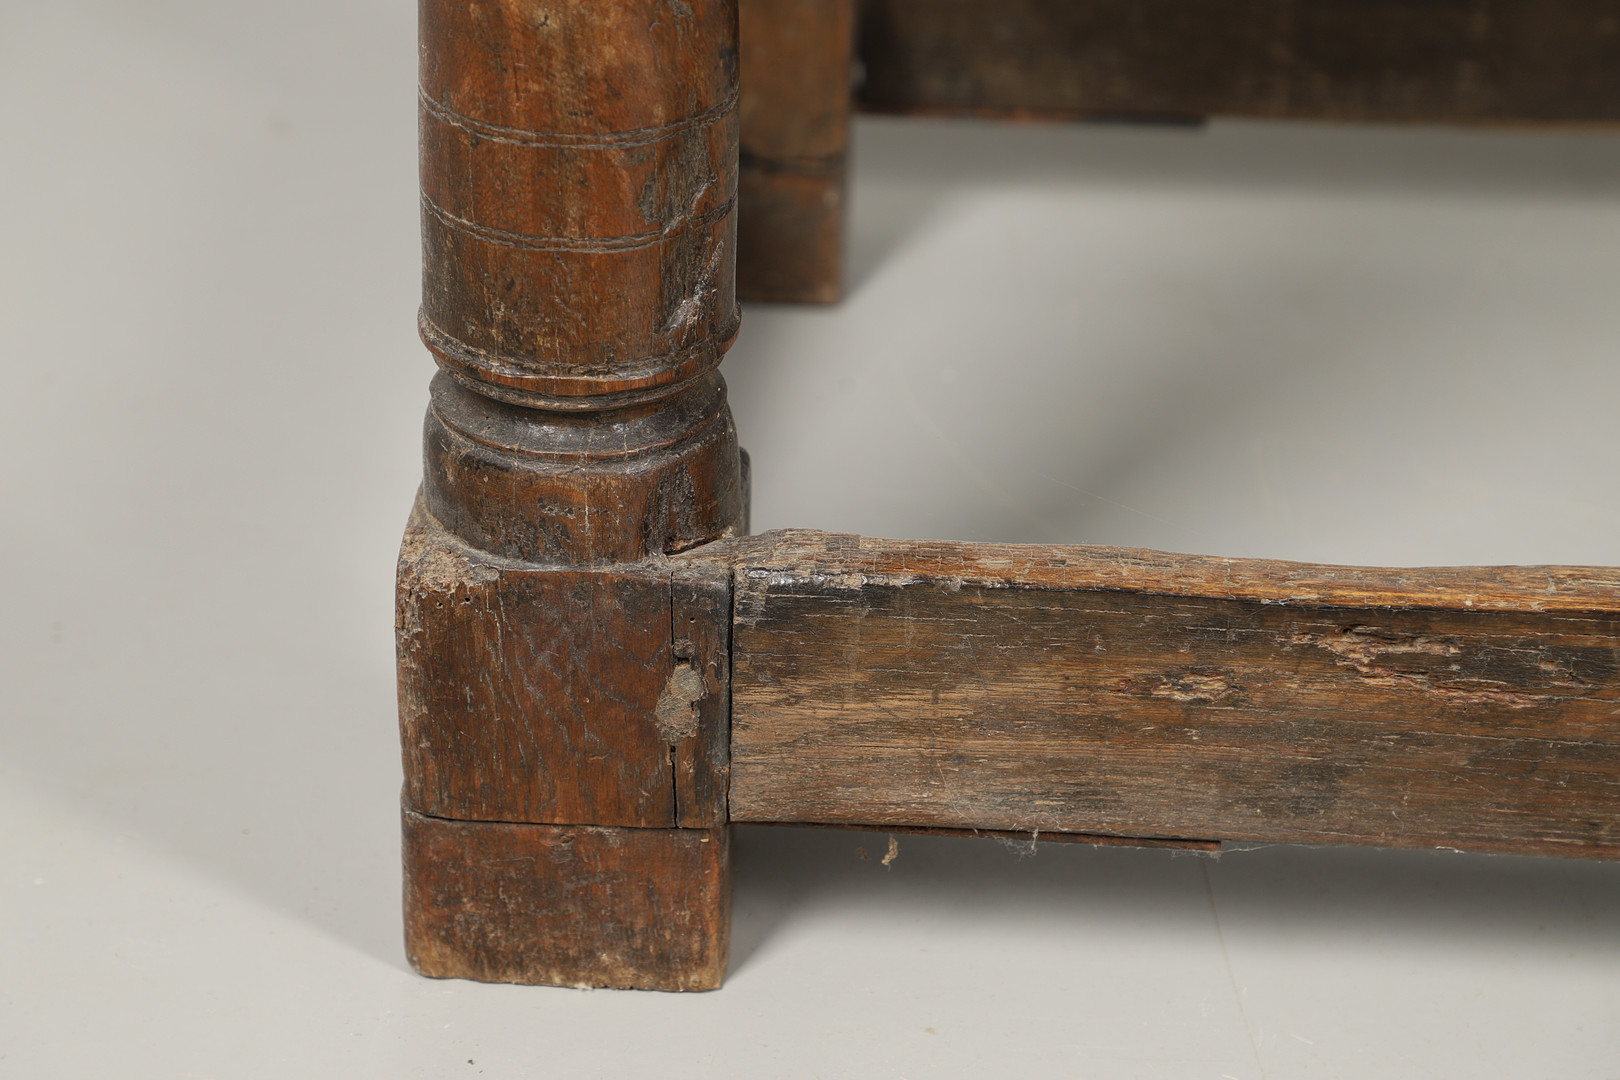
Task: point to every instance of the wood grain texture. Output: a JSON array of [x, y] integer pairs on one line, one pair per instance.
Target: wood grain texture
[[694, 712], [794, 117], [584, 488], [1436, 61], [1135, 693], [579, 176], [579, 183], [646, 909], [557, 694]]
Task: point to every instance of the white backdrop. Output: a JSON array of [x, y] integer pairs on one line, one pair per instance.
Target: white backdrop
[[1358, 345]]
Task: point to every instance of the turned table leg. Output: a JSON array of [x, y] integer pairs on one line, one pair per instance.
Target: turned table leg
[[562, 685]]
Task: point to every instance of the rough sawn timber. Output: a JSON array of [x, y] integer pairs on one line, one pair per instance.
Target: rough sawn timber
[[1134, 693]]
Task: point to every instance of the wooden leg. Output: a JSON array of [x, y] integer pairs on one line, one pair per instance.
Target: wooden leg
[[567, 905], [796, 58], [1486, 61], [563, 699]]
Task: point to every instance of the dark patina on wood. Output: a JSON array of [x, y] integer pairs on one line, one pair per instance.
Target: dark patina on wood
[[583, 488], [558, 694], [1135, 693], [794, 111], [567, 905], [579, 184], [1430, 61], [562, 684], [576, 613]]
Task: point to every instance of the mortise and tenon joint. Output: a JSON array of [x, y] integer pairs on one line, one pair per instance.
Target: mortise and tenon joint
[[599, 671], [563, 685]]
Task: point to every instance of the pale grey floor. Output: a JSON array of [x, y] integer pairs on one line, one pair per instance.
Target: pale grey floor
[[1369, 346]]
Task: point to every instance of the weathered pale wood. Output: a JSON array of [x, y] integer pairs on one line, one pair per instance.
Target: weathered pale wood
[[1436, 61], [646, 909], [794, 112], [1134, 693]]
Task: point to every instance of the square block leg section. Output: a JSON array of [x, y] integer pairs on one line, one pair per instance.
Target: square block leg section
[[794, 112], [567, 905], [790, 229]]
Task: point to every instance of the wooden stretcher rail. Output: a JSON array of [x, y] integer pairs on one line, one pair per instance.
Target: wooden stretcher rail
[[1433, 61], [1138, 694]]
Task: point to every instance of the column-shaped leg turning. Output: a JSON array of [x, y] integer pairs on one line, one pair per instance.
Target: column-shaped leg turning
[[563, 685]]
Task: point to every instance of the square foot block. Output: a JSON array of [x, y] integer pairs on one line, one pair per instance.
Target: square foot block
[[567, 905]]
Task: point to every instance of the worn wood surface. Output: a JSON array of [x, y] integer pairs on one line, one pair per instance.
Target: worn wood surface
[[1135, 693], [558, 694], [572, 612], [794, 118], [584, 488], [579, 182], [567, 905], [1006, 835], [556, 673], [579, 176], [694, 709], [1438, 61]]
